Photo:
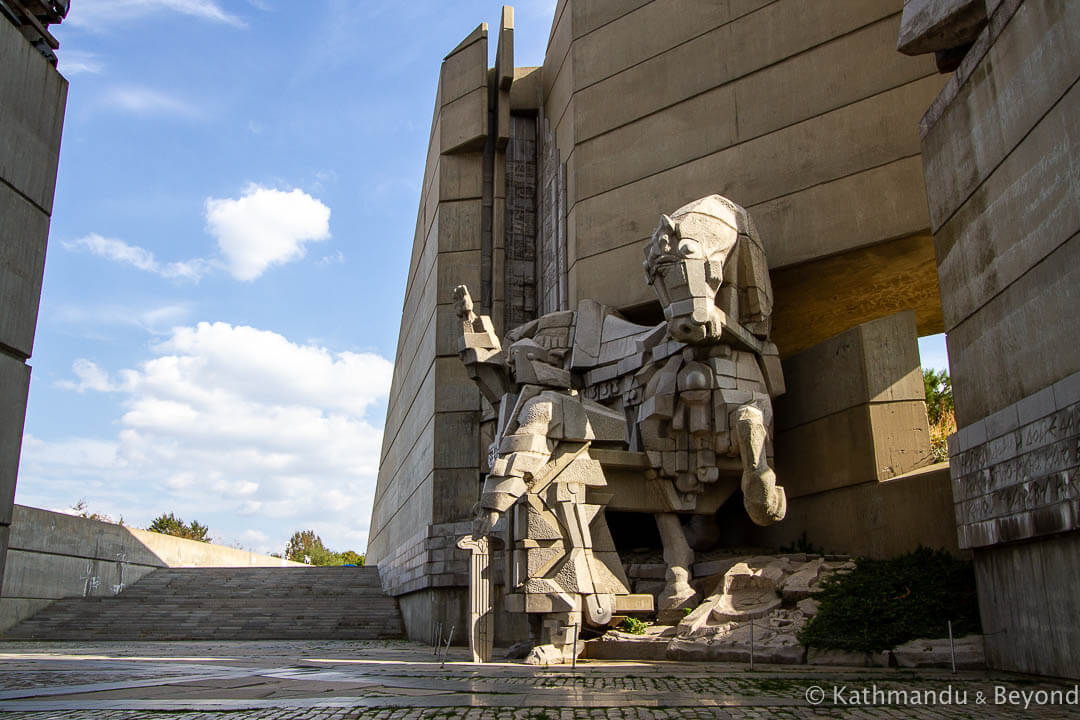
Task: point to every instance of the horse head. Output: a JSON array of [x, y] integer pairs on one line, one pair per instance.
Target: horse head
[[687, 264]]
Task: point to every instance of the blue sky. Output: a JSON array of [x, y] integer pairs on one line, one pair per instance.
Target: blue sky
[[234, 212]]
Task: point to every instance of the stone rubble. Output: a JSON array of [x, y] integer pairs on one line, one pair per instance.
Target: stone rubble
[[757, 604]]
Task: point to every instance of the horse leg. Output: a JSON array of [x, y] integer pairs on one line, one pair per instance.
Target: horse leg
[[678, 556], [765, 502]]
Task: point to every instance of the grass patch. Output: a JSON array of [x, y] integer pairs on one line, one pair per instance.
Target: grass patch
[[633, 626], [884, 603]]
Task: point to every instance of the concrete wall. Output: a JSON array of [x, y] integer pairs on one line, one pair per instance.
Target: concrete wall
[[801, 111], [32, 100], [52, 555], [853, 448], [1002, 175]]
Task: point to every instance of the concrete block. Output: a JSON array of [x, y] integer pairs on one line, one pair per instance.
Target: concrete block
[[33, 96], [525, 92], [753, 171], [14, 385], [807, 458], [465, 69], [24, 232], [456, 268], [463, 123], [901, 437], [878, 361], [1067, 391], [459, 226], [641, 34], [985, 112], [1021, 341], [781, 95], [461, 177], [929, 26], [821, 220], [455, 439], [882, 519], [1035, 407], [588, 15], [1003, 421], [1021, 212], [751, 42]]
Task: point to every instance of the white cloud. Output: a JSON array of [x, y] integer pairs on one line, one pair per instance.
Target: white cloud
[[155, 320], [337, 258], [265, 227], [141, 258], [231, 420], [78, 62], [147, 101], [103, 14]]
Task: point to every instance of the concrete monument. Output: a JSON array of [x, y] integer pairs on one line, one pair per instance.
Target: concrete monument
[[686, 394]]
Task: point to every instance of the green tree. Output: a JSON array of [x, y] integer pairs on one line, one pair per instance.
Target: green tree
[[172, 525], [351, 557], [307, 547], [939, 397]]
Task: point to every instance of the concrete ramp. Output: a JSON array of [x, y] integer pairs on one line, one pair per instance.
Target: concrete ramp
[[257, 603]]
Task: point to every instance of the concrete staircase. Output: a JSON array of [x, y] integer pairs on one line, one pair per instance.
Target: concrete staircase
[[260, 603]]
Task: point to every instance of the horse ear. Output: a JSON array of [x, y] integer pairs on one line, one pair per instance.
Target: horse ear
[[667, 223]]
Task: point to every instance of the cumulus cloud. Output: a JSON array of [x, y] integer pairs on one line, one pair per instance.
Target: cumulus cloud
[[141, 258], [230, 420], [103, 14], [261, 228], [265, 227]]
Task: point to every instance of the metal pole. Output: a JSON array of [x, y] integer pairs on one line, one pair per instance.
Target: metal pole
[[449, 639], [751, 644], [576, 626], [952, 650]]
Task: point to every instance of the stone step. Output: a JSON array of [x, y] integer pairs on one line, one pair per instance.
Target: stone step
[[227, 603]]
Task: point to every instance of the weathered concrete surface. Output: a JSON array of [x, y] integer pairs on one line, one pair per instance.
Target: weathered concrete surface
[[52, 555], [32, 101], [1013, 471], [822, 298], [1029, 607], [871, 426], [967, 653], [935, 25], [1002, 180], [873, 519], [14, 384]]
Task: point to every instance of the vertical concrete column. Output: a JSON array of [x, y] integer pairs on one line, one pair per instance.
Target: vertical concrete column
[[998, 146], [32, 100]]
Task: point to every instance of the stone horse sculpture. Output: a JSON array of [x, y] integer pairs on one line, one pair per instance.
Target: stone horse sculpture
[[595, 411]]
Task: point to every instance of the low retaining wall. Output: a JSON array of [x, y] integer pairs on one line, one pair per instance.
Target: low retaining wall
[[53, 555]]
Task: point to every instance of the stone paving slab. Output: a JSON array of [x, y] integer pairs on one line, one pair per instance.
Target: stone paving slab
[[379, 680]]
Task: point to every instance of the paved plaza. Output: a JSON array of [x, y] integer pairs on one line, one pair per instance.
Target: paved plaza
[[328, 680]]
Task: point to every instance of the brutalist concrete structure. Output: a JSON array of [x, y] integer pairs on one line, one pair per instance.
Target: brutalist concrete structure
[[543, 185], [1003, 182], [32, 99]]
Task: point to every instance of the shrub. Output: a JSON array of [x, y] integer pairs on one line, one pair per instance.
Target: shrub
[[884, 603]]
